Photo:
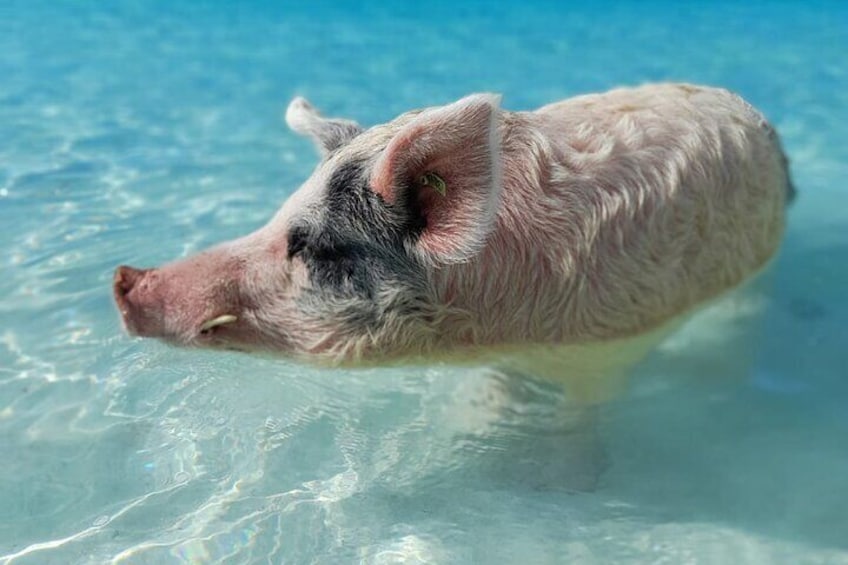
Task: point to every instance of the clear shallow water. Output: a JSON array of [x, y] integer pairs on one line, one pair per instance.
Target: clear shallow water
[[138, 132]]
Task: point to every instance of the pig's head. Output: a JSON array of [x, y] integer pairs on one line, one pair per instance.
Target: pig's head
[[347, 269]]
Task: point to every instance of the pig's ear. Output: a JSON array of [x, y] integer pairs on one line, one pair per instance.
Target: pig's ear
[[445, 166], [327, 133]]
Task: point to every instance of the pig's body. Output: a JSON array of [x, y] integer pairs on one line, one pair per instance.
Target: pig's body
[[586, 226], [621, 211]]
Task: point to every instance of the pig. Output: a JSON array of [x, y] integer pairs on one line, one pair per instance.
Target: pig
[[468, 232]]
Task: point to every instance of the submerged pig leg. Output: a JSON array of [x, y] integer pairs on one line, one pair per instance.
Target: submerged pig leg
[[553, 444]]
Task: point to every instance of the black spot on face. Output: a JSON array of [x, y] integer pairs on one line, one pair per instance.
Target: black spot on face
[[359, 248], [297, 240], [352, 204], [346, 267]]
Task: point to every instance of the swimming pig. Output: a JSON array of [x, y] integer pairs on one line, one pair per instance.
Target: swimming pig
[[466, 231]]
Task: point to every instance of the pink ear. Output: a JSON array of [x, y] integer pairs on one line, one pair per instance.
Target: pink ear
[[459, 144]]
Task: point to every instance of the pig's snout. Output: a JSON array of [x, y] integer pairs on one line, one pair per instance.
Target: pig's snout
[[126, 278], [132, 291], [194, 301]]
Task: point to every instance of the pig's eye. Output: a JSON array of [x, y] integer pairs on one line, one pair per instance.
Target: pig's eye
[[297, 241]]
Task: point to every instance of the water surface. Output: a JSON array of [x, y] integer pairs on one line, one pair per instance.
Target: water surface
[[136, 132]]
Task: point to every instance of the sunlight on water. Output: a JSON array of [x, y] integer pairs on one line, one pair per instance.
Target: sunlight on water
[[136, 132]]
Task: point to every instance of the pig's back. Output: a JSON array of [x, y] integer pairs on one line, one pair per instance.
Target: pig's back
[[651, 200]]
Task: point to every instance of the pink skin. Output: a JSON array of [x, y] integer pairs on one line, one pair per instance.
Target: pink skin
[[173, 302], [593, 219]]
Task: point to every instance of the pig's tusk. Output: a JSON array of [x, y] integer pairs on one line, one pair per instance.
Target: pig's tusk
[[219, 321]]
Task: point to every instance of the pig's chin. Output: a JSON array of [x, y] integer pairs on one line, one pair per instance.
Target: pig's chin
[[222, 333], [217, 332]]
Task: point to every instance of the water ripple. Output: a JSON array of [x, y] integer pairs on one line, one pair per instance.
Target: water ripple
[[143, 131]]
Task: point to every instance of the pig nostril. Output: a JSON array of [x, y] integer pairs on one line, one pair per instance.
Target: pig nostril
[[138, 305], [126, 278], [120, 284]]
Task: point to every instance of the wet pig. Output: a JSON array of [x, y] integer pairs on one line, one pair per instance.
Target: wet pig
[[465, 231]]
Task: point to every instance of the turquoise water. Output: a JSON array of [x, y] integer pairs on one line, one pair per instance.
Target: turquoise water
[[135, 132]]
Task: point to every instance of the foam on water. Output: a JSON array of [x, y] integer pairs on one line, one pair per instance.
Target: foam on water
[[136, 132]]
